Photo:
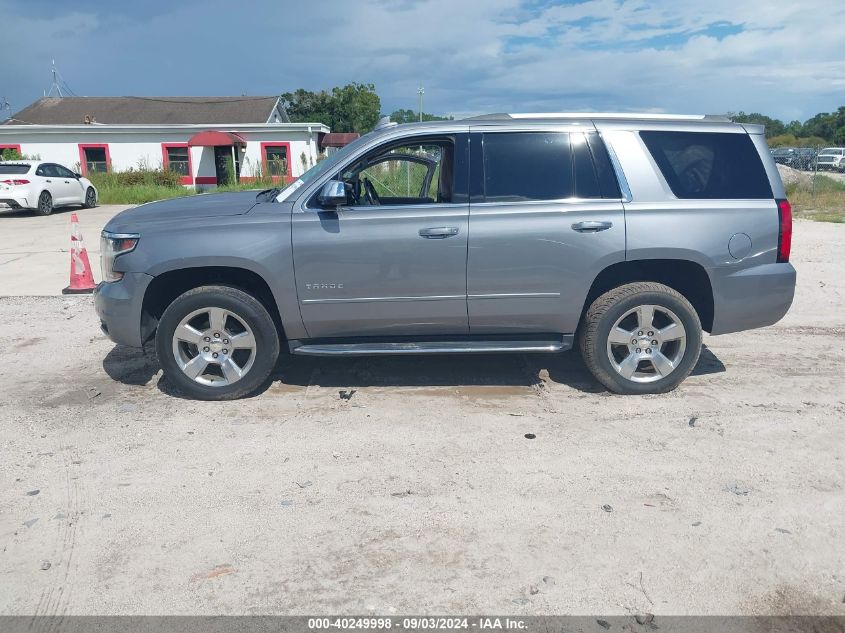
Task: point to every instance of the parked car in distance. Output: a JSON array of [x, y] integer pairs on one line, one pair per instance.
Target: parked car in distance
[[832, 159], [805, 158], [785, 156], [43, 187], [624, 235]]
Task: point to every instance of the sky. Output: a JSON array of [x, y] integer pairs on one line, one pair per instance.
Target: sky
[[784, 58]]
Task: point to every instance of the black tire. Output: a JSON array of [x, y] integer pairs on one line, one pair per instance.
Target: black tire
[[603, 314], [249, 310], [45, 204], [90, 199]]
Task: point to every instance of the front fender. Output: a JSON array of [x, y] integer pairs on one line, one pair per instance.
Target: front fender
[[261, 245]]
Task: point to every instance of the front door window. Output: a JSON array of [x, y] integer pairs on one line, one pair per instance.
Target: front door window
[[407, 174]]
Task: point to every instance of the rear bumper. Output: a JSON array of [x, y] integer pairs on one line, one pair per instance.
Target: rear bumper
[[751, 298], [118, 304], [14, 202]]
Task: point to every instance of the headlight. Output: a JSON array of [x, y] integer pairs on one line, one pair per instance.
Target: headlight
[[112, 245]]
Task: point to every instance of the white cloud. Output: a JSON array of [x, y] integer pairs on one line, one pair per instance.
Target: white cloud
[[472, 55]]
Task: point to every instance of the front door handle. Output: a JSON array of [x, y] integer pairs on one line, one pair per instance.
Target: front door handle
[[438, 233], [591, 226]]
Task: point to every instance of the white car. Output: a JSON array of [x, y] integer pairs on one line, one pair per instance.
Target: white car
[[43, 186], [832, 158]]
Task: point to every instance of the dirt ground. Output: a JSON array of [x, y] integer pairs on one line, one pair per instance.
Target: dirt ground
[[422, 493], [35, 250]]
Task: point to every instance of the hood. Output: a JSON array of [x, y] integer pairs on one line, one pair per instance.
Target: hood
[[185, 208]]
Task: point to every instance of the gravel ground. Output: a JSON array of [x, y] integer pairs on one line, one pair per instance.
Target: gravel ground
[[422, 492]]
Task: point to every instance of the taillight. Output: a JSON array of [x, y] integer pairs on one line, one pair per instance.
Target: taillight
[[15, 182], [784, 231]]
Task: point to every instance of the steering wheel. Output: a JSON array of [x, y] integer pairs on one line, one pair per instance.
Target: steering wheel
[[370, 190]]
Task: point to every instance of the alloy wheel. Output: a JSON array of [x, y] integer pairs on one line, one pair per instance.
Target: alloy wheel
[[646, 343], [45, 203], [214, 346]]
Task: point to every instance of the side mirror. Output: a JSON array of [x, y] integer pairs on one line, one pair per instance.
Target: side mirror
[[333, 194], [77, 175]]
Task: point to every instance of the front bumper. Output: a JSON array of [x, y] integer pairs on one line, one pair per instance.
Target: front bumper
[[119, 306], [751, 298]]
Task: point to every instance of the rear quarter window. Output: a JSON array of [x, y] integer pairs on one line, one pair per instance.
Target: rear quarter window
[[709, 165]]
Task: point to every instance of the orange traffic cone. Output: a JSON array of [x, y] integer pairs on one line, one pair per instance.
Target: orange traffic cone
[[81, 279]]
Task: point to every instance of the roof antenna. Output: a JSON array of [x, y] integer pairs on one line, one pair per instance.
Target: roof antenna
[[59, 85], [55, 87]]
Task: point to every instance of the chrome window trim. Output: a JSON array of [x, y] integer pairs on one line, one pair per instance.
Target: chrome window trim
[[564, 201], [617, 168]]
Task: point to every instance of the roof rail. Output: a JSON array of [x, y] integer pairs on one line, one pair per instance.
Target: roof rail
[[602, 115]]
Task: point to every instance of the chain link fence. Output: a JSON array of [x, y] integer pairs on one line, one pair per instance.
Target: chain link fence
[[814, 178]]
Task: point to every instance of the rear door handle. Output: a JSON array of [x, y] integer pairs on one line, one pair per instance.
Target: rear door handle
[[49, 180], [591, 226], [438, 233]]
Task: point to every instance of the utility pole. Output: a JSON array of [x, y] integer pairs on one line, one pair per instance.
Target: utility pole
[[421, 92]]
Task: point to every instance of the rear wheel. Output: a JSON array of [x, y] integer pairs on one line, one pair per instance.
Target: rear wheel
[[217, 343], [90, 198], [45, 204], [640, 338]]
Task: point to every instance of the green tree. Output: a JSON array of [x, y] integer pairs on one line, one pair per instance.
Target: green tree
[[351, 108], [774, 127], [357, 108], [410, 116]]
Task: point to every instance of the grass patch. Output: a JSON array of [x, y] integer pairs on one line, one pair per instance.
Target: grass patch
[[138, 186], [822, 202], [245, 186], [139, 194], [145, 184]]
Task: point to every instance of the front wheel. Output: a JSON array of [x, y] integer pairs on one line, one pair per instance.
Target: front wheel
[[640, 338], [217, 343], [90, 198]]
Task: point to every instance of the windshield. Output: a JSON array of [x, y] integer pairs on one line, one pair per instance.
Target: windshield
[[323, 167]]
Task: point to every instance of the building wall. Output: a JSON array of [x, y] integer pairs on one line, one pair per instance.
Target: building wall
[[134, 149]]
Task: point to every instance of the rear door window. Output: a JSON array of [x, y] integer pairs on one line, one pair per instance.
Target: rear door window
[[709, 165], [524, 166], [521, 166]]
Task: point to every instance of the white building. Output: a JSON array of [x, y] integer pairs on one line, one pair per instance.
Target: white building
[[203, 138]]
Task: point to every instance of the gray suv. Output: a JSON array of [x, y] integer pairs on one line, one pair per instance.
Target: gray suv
[[626, 235]]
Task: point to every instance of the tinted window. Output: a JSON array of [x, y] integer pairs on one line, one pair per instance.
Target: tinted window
[[527, 166], [47, 170], [586, 178], [64, 172], [14, 169], [604, 169], [709, 164]]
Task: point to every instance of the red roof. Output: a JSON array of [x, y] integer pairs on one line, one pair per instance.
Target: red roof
[[211, 138], [338, 139]]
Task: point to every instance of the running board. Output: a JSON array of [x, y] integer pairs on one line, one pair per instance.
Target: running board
[[433, 347]]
